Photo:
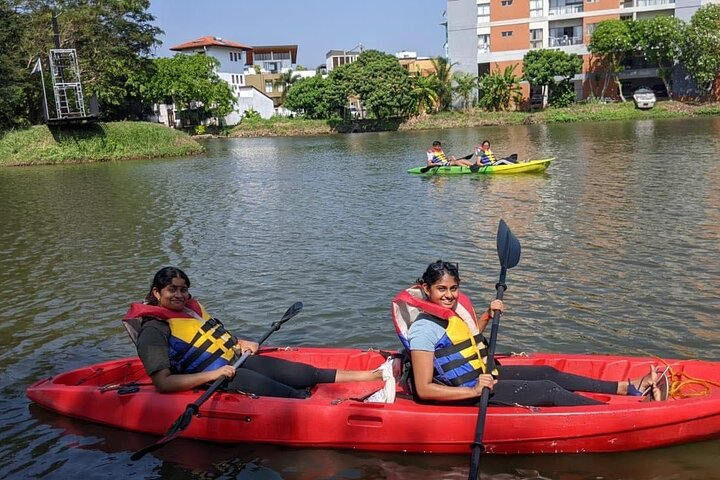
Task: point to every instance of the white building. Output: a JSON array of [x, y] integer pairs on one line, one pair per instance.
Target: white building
[[232, 58]]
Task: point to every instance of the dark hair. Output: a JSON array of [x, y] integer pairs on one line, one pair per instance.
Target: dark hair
[[436, 270], [485, 141], [162, 279], [436, 143]]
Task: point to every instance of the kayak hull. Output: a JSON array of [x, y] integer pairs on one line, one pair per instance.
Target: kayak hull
[[531, 166], [334, 417]]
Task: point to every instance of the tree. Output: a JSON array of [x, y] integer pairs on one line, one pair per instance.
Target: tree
[[542, 68], [381, 83], [191, 83], [284, 82], [113, 38], [612, 41], [701, 48], [660, 40], [443, 75], [466, 86], [13, 105], [425, 92], [308, 97], [500, 89]]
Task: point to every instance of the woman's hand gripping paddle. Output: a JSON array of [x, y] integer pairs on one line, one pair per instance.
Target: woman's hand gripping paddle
[[508, 248], [192, 409]]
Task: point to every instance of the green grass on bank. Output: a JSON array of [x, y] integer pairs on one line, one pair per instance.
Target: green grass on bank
[[99, 142], [581, 112]]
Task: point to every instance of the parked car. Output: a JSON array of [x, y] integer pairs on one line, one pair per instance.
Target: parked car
[[644, 98]]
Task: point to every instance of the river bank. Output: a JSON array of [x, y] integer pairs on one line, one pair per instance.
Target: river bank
[[99, 142], [593, 112]]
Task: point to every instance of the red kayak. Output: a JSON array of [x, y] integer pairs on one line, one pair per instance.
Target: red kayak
[[119, 393]]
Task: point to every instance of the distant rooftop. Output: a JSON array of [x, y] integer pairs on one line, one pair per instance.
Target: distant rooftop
[[209, 41]]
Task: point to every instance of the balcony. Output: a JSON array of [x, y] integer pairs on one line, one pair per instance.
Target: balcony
[[645, 3], [565, 41], [566, 9]]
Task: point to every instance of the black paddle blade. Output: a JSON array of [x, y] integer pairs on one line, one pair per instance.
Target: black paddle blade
[[508, 247], [180, 424], [291, 312], [427, 169], [474, 167]]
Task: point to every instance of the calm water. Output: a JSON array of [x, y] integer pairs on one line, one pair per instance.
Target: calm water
[[621, 254]]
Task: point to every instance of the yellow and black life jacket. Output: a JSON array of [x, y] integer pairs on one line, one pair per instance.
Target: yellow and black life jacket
[[487, 157], [197, 341], [461, 353], [439, 157]]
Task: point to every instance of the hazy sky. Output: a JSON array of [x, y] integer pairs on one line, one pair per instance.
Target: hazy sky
[[315, 26]]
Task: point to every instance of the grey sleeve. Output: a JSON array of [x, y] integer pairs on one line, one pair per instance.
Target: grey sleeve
[[153, 346], [424, 335]]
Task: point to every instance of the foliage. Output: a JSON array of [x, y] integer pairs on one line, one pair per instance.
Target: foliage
[[660, 40], [307, 97], [425, 92], [541, 67], [284, 82], [443, 85], [383, 86], [466, 86], [12, 91], [98, 142], [500, 89], [113, 38], [190, 82], [701, 49], [612, 41], [251, 115], [200, 130]]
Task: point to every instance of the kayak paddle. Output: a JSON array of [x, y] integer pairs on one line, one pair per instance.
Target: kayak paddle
[[508, 248], [427, 169], [192, 409]]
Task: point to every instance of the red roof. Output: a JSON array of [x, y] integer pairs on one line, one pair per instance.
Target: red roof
[[209, 41]]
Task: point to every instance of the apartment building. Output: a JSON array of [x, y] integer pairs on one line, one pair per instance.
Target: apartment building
[[488, 35]]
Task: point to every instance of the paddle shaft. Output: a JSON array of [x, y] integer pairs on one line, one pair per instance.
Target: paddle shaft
[[477, 446], [429, 167], [183, 421]]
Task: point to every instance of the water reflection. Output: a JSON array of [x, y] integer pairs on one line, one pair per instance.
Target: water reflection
[[621, 254]]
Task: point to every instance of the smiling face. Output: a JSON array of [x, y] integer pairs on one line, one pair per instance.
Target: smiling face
[[444, 291], [173, 296]]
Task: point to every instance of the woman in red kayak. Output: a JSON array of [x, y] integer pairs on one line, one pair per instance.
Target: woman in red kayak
[[182, 347], [438, 326]]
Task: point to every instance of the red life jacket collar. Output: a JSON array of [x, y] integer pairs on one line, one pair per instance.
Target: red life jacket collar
[[138, 310]]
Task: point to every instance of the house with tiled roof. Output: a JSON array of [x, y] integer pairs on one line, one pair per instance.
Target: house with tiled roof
[[233, 60]]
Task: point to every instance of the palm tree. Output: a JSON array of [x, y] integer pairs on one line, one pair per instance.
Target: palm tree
[[465, 87], [424, 91], [284, 82], [443, 75]]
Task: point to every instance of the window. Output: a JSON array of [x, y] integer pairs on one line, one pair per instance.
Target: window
[[507, 33], [268, 86], [484, 43], [506, 3], [484, 13], [536, 38], [590, 28], [536, 8]]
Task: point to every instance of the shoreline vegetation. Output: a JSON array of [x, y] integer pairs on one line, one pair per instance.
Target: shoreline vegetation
[[93, 143], [101, 142]]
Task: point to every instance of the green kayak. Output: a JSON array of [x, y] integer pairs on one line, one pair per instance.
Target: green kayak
[[531, 166]]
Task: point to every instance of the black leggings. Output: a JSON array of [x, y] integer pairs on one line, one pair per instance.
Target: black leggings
[[542, 386], [275, 377]]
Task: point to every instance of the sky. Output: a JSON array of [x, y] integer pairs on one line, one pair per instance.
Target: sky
[[315, 26]]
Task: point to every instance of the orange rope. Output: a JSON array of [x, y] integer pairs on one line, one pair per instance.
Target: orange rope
[[682, 385]]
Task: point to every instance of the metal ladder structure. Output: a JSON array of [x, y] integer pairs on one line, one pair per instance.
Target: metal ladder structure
[[67, 87]]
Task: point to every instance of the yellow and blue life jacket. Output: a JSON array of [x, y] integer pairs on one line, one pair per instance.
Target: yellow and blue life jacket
[[197, 342], [461, 353], [487, 157]]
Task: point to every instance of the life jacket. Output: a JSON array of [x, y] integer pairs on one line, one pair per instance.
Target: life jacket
[[197, 343], [438, 156], [460, 355], [487, 157]]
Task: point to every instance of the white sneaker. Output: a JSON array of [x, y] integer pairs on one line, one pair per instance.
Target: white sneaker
[[387, 393]]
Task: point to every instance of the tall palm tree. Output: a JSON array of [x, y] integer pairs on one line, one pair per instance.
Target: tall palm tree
[[426, 97], [284, 82], [443, 75], [465, 87]]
